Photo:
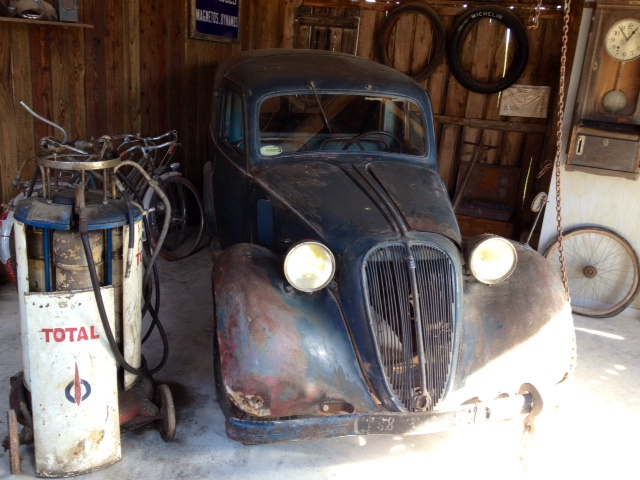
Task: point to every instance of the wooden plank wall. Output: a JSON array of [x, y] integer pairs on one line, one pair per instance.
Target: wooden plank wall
[[466, 120], [135, 69], [138, 70]]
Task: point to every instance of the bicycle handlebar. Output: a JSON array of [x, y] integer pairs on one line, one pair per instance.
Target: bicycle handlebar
[[130, 137], [145, 148]]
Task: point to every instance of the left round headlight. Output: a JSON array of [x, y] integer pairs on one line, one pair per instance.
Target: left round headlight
[[309, 266], [491, 259]]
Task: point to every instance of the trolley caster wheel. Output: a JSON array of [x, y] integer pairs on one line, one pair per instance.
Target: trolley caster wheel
[[167, 422], [14, 442]]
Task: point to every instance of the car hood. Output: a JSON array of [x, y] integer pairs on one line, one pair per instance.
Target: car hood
[[343, 202]]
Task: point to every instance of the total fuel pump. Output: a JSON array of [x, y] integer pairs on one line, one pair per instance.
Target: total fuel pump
[[81, 275]]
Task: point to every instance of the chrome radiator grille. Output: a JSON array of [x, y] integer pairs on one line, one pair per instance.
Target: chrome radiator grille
[[414, 338]]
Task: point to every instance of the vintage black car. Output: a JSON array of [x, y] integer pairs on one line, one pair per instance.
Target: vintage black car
[[346, 302]]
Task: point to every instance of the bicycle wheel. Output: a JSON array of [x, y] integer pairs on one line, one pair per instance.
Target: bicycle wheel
[[187, 218], [602, 269]]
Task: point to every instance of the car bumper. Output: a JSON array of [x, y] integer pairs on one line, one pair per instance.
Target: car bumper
[[377, 423]]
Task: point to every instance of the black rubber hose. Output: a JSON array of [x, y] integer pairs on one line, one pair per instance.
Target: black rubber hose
[[148, 287], [165, 343], [84, 235], [155, 320], [36, 174], [152, 310], [127, 201], [103, 314]]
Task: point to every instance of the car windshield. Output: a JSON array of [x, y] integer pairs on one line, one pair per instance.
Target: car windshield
[[339, 122]]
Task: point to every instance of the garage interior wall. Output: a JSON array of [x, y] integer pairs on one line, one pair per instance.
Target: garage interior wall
[[132, 67], [587, 199]]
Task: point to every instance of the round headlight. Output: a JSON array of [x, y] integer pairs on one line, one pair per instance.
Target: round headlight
[[309, 266], [491, 259]]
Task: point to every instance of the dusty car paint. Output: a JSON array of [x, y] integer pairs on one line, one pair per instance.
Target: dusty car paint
[[283, 353], [297, 365]]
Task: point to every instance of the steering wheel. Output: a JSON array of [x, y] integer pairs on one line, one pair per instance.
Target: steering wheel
[[379, 133]]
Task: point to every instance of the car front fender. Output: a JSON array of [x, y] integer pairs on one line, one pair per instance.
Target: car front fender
[[516, 332], [282, 352]]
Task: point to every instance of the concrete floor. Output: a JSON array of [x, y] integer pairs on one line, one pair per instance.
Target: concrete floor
[[593, 436]]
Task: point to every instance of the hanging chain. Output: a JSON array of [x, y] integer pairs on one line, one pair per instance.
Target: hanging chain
[[534, 14], [563, 62]]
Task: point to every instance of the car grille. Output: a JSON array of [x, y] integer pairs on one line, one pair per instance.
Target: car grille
[[414, 339]]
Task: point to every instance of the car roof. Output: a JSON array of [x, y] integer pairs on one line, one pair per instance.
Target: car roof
[[271, 70]]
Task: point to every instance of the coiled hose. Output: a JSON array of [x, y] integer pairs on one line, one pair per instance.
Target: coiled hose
[[84, 235]]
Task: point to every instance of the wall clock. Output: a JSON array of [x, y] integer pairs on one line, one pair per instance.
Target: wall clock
[[606, 121], [622, 43]]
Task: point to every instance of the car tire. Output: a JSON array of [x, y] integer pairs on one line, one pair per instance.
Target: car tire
[[439, 37], [462, 28]]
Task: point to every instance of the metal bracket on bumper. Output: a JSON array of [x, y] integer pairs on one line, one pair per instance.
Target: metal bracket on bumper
[[376, 423]]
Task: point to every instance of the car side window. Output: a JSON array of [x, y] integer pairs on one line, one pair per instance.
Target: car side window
[[415, 133], [232, 124]]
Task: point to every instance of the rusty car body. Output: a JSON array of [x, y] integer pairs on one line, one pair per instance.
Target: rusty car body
[[346, 302]]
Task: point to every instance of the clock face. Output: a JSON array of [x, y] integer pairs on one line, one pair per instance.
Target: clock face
[[623, 40]]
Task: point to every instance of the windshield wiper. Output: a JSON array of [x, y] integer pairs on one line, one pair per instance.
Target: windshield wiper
[[324, 116]]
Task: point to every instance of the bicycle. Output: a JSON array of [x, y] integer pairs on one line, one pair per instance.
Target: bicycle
[[602, 268], [187, 213]]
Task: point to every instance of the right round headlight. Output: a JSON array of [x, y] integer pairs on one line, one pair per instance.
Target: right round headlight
[[309, 266], [491, 259]]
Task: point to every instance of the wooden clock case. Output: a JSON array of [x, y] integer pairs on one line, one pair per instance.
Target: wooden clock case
[[603, 143]]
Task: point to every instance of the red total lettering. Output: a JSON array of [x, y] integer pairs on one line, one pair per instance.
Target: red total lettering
[[58, 335], [93, 332], [70, 331], [47, 331], [82, 334], [61, 334]]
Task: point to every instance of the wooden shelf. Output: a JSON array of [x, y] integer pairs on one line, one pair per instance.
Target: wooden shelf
[[47, 23]]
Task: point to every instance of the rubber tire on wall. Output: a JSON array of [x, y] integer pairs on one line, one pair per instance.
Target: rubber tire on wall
[[438, 30], [456, 45]]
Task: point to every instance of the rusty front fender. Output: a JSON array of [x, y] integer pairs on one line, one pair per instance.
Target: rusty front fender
[[519, 331], [282, 352]]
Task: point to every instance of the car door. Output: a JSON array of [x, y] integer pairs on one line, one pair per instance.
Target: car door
[[230, 169]]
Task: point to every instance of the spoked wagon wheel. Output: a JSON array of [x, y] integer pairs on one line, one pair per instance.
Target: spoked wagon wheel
[[602, 269], [14, 442], [167, 421]]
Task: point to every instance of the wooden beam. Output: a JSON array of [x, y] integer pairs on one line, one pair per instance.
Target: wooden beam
[[443, 7], [502, 126]]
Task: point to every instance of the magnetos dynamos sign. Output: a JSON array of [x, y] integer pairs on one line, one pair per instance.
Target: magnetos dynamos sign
[[216, 18]]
